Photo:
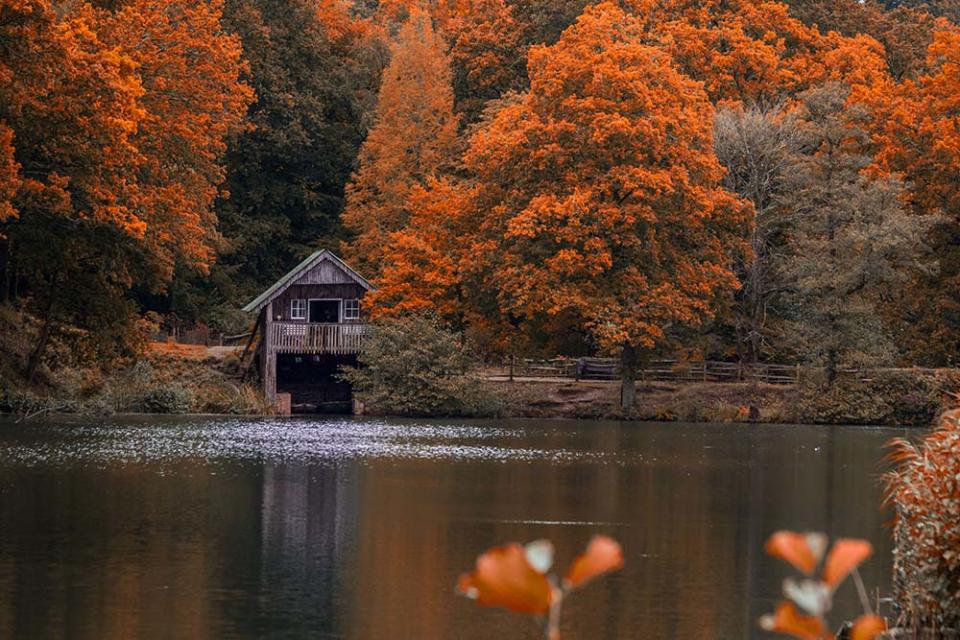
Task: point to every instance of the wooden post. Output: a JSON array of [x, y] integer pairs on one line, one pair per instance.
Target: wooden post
[[628, 385], [269, 356], [511, 367]]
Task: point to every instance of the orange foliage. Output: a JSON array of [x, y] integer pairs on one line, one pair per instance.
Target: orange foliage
[[486, 51], [805, 551], [598, 191], [845, 556], [518, 578], [868, 627], [743, 50], [422, 262], [122, 117], [72, 105], [189, 68], [9, 174], [413, 139], [505, 578], [916, 130], [802, 550], [603, 555], [789, 621]]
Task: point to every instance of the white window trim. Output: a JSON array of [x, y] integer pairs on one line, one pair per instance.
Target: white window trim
[[344, 306], [339, 302], [293, 313]]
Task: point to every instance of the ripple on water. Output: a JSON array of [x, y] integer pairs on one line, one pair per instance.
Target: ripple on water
[[284, 440]]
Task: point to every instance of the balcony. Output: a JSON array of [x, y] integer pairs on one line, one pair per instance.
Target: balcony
[[301, 337]]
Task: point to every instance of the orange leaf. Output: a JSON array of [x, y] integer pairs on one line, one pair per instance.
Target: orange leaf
[[843, 558], [504, 578], [802, 550], [868, 627], [603, 554], [791, 622]]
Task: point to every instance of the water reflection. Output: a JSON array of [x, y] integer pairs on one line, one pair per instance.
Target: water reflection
[[346, 529]]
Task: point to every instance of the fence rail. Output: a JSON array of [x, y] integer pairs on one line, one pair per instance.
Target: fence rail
[[679, 370], [338, 339]]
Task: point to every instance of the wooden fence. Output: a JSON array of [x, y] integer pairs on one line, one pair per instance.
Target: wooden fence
[[679, 370]]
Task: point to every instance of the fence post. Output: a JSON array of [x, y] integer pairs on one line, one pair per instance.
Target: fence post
[[798, 373], [511, 367]]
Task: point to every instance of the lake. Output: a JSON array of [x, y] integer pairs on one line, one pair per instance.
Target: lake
[[357, 528]]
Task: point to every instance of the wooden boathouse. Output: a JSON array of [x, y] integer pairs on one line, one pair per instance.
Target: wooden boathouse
[[310, 323]]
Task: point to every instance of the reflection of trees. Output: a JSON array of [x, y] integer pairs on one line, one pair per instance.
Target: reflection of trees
[[119, 553], [307, 531], [372, 550], [816, 479]]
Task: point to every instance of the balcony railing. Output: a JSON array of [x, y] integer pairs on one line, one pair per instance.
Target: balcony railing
[[299, 337]]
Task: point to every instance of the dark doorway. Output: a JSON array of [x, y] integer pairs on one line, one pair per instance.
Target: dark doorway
[[324, 311], [313, 382]]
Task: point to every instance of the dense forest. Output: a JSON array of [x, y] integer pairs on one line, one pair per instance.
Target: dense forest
[[724, 178]]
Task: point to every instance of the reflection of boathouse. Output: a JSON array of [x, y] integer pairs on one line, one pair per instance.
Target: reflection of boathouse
[[310, 323]]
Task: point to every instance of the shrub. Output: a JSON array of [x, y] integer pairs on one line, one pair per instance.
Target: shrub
[[901, 397], [171, 398], [925, 493], [223, 396], [128, 390], [412, 366]]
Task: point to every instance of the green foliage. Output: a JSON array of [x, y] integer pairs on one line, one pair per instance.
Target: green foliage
[[173, 398], [849, 239], [413, 366], [287, 173], [901, 397]]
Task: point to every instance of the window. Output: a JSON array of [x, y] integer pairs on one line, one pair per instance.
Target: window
[[351, 309], [298, 309]]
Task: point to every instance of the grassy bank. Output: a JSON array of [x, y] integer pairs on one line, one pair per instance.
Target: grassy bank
[[688, 402], [170, 378], [159, 382], [163, 379]]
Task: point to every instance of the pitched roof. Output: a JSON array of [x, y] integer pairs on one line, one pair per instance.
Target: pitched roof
[[294, 274]]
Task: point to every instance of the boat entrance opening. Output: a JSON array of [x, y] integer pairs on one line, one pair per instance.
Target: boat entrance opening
[[313, 382]]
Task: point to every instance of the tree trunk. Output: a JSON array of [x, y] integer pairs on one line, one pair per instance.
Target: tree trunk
[[5, 273], [832, 358], [628, 384], [37, 354]]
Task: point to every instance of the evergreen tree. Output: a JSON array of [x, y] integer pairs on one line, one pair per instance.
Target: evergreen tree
[[414, 138], [315, 71], [849, 238]]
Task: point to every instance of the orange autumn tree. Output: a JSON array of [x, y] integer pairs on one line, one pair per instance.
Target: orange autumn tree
[[68, 112], [423, 263], [753, 52], [193, 99], [487, 53], [117, 145], [413, 139], [9, 178], [599, 194]]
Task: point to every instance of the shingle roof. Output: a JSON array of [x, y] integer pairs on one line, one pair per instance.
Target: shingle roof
[[281, 285]]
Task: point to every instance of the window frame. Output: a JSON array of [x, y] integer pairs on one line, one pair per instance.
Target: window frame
[[304, 309], [348, 309]]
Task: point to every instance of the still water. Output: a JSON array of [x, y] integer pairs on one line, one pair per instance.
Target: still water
[[347, 528]]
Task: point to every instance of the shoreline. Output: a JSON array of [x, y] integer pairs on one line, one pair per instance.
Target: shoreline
[[558, 399]]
